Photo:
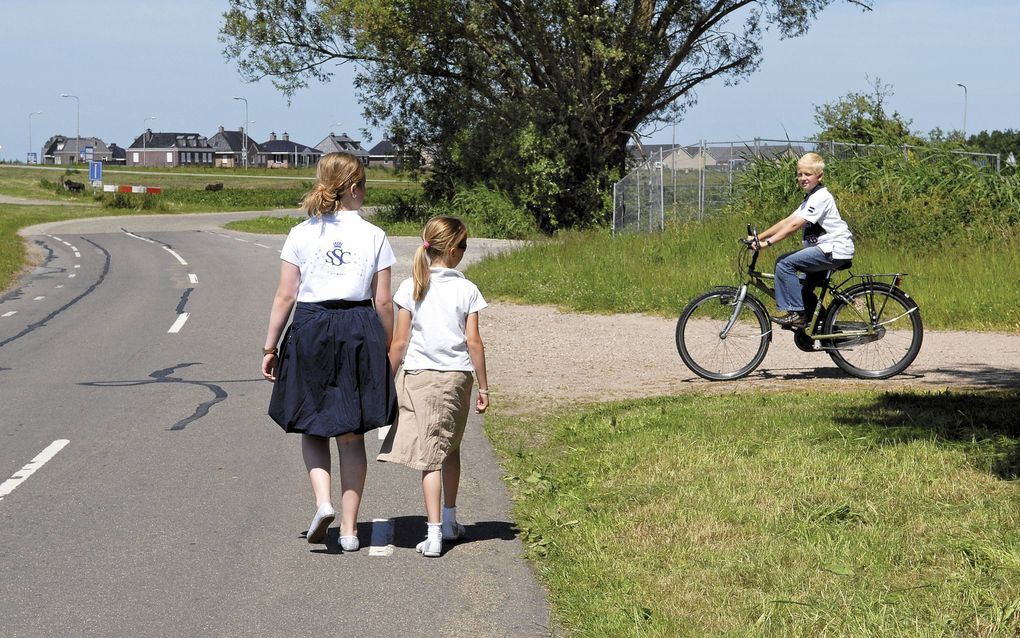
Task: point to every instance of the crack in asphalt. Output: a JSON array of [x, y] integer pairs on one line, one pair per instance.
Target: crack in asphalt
[[165, 376], [42, 322]]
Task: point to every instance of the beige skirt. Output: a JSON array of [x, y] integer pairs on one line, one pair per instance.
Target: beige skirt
[[434, 408]]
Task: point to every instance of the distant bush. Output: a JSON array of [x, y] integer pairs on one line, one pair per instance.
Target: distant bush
[[487, 213]]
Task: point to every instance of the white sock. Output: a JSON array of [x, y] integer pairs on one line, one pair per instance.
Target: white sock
[[435, 532]]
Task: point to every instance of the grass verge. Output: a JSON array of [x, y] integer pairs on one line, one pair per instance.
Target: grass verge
[[872, 514], [964, 284]]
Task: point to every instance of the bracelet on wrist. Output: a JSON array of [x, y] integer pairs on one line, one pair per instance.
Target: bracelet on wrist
[[481, 391], [266, 351]]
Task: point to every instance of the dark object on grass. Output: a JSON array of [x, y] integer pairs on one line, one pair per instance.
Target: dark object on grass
[[218, 186], [74, 187]]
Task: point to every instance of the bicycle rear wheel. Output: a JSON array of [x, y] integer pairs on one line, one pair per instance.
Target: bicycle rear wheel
[[896, 339], [711, 354]]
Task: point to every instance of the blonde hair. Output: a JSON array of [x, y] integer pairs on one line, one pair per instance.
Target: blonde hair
[[440, 236], [335, 174], [812, 162]]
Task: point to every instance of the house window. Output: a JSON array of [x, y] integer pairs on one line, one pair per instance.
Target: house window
[[134, 158], [169, 157]]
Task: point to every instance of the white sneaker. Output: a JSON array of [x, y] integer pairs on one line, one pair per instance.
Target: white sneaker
[[320, 523], [452, 530], [432, 548], [350, 543]]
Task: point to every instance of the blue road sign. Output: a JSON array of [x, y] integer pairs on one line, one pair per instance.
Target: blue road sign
[[95, 171]]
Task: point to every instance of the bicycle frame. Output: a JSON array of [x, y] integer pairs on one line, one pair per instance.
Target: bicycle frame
[[760, 280]]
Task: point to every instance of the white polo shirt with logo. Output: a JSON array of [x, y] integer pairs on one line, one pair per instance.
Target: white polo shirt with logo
[[438, 321], [825, 228], [339, 255]]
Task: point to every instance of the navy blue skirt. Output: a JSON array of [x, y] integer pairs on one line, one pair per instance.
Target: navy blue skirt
[[333, 375]]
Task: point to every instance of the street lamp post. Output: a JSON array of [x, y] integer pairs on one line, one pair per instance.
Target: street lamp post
[[964, 87], [144, 140], [30, 132], [244, 150], [77, 124]]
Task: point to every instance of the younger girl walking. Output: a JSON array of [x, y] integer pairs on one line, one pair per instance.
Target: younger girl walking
[[437, 338], [331, 372]]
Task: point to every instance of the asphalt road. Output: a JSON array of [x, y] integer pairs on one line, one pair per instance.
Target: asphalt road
[[167, 503]]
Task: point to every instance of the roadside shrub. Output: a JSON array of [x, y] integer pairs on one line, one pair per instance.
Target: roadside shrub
[[495, 212]]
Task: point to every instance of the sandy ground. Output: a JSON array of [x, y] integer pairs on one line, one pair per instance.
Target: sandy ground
[[539, 357]]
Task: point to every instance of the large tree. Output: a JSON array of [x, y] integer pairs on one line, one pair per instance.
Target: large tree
[[536, 98]]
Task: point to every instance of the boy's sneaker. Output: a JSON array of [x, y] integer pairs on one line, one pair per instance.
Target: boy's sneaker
[[791, 319], [320, 523], [430, 547], [452, 531]]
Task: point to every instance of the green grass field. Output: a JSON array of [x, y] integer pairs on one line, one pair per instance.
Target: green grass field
[[808, 514]]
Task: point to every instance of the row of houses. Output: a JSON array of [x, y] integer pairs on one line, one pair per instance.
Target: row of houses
[[224, 149], [680, 158]]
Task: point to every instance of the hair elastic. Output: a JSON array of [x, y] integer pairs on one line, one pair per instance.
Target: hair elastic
[[426, 244]]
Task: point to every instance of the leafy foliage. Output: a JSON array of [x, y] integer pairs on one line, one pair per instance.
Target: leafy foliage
[[861, 118], [537, 99]]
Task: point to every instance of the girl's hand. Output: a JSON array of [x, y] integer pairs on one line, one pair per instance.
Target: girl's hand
[[269, 367], [482, 403]]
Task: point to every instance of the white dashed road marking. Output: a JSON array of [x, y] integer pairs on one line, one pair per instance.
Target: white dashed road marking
[[179, 258], [19, 477], [39, 297], [181, 320], [8, 314], [193, 278], [145, 239]]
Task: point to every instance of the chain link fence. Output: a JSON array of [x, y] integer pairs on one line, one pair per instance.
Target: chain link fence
[[690, 182]]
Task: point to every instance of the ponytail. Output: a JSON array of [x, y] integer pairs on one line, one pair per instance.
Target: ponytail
[[441, 235]]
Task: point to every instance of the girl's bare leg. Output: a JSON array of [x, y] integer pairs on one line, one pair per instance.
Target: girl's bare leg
[[451, 478], [315, 451], [431, 487], [353, 468]]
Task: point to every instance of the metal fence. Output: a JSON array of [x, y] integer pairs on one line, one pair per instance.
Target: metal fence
[[690, 182]]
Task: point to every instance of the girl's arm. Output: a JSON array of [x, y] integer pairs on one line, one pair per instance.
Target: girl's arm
[[401, 337], [283, 303], [383, 299], [476, 350]]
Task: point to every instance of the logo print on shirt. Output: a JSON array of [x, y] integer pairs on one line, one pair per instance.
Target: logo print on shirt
[[338, 256]]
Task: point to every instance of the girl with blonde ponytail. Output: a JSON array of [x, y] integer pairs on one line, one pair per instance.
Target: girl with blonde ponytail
[[330, 371], [437, 339]]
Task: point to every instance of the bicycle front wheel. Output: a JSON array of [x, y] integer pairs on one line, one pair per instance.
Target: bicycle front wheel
[[709, 349], [895, 331]]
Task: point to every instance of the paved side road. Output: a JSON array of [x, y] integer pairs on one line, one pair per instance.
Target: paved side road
[[176, 506]]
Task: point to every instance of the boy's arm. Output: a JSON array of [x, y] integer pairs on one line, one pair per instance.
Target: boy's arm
[[401, 336], [781, 230], [476, 350]]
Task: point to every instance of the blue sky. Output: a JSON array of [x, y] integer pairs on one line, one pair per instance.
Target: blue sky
[[130, 59]]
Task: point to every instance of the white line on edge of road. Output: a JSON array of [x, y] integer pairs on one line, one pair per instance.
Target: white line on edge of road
[[382, 537], [179, 323], [145, 239], [19, 477]]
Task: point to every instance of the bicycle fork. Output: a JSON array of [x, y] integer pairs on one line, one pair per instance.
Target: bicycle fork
[[737, 306]]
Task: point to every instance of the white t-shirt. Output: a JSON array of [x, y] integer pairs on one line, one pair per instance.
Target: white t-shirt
[[338, 255], [437, 321], [825, 228]]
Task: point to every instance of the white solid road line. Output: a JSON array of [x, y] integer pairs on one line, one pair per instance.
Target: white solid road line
[[19, 477], [145, 239], [382, 537], [181, 320], [179, 258]]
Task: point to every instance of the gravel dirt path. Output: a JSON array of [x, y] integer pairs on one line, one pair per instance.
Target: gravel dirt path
[[540, 358]]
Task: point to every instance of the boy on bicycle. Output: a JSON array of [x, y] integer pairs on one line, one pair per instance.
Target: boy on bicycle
[[827, 244]]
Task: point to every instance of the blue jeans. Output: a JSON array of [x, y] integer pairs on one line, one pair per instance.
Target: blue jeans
[[792, 294]]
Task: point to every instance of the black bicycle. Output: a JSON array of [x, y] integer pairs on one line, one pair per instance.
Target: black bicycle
[[866, 323]]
